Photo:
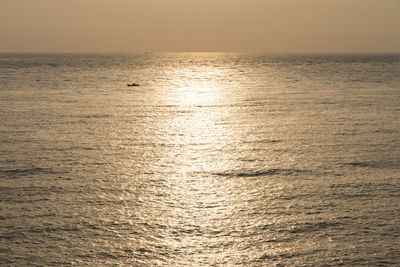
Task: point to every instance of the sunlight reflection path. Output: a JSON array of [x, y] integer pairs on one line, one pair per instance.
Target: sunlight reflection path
[[199, 206]]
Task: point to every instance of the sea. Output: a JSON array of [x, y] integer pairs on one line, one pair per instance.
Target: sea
[[215, 159]]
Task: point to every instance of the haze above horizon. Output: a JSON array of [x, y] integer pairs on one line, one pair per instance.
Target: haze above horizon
[[262, 26]]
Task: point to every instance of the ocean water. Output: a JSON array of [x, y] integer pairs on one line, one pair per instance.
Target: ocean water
[[214, 160]]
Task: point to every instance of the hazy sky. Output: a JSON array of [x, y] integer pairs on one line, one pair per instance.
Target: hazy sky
[[270, 26]]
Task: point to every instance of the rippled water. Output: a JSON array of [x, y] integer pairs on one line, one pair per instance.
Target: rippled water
[[214, 160]]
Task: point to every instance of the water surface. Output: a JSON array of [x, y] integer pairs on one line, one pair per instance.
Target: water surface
[[214, 160]]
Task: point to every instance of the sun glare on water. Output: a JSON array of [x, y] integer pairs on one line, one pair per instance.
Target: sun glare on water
[[199, 136]]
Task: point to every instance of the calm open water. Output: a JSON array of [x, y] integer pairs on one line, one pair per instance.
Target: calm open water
[[215, 160]]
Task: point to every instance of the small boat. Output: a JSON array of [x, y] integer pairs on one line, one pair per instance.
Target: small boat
[[132, 84]]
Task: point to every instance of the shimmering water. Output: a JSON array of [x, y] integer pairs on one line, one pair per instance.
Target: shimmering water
[[215, 160]]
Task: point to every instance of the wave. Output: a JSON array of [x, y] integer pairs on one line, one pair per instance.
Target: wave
[[264, 141], [12, 173], [267, 172], [359, 164], [387, 164], [313, 226]]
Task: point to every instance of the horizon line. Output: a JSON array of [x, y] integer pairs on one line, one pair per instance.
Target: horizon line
[[207, 52]]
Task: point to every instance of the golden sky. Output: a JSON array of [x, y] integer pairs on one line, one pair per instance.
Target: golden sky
[[266, 26]]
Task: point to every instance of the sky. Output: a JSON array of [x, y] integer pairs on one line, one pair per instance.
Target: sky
[[261, 26]]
